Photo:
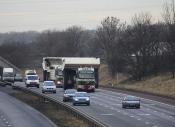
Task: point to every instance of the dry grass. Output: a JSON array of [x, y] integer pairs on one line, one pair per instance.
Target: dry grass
[[162, 84], [60, 117]]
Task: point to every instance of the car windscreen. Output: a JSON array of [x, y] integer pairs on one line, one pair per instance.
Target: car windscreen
[[32, 77], [70, 91], [130, 98], [81, 95], [49, 84]]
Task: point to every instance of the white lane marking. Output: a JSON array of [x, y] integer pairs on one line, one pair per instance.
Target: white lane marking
[[154, 126], [139, 119], [125, 113], [154, 111], [144, 114], [106, 114], [170, 116], [146, 123], [131, 116], [9, 125], [112, 108], [4, 119]]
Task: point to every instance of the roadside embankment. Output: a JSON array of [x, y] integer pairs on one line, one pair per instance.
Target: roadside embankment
[[160, 85]]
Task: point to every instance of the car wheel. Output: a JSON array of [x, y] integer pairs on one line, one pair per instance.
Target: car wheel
[[88, 104], [54, 92], [43, 92], [37, 86], [123, 106], [74, 104]]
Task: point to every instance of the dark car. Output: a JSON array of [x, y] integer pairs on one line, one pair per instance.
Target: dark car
[[18, 78], [69, 94], [81, 98], [131, 101]]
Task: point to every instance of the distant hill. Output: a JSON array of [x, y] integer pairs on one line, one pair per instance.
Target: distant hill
[[25, 37]]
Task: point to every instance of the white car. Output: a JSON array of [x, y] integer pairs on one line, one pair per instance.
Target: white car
[[48, 86], [32, 81]]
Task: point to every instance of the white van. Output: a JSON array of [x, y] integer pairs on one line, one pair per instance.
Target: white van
[[32, 81]]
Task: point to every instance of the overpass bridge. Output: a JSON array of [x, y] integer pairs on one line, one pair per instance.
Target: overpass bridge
[[5, 63]]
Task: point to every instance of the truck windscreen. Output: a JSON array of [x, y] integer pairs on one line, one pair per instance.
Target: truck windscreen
[[32, 77], [86, 75], [59, 72]]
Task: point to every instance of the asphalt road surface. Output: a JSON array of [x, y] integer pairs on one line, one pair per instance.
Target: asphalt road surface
[[106, 107], [14, 113]]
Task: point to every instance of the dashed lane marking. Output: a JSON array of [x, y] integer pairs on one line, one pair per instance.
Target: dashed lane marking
[[146, 123], [106, 114]]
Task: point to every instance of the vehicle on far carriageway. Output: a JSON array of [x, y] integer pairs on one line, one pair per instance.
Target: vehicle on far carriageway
[[18, 78], [131, 101]]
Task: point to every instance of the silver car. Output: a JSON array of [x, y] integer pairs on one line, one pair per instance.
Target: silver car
[[81, 98], [48, 86], [69, 94], [131, 101]]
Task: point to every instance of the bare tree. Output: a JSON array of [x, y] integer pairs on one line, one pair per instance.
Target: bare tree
[[109, 36], [141, 40], [169, 18]]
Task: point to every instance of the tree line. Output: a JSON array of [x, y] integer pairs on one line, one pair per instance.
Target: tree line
[[141, 49]]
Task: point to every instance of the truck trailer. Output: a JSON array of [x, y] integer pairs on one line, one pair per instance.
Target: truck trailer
[[74, 72]]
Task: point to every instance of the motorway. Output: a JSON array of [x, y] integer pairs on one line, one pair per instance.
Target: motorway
[[14, 113], [106, 107]]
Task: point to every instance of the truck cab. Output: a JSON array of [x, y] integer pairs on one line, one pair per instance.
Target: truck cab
[[85, 80]]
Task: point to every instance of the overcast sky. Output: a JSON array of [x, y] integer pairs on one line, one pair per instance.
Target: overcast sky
[[23, 15]]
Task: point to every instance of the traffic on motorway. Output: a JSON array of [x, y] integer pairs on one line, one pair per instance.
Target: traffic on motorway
[[78, 87]]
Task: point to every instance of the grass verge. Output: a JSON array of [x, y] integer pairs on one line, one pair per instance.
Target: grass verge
[[162, 84], [60, 117]]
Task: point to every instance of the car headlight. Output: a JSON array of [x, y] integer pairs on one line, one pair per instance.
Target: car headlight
[[76, 99], [87, 99]]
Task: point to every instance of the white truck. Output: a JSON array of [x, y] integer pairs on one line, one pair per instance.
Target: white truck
[[68, 72], [53, 70], [8, 75], [30, 72]]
